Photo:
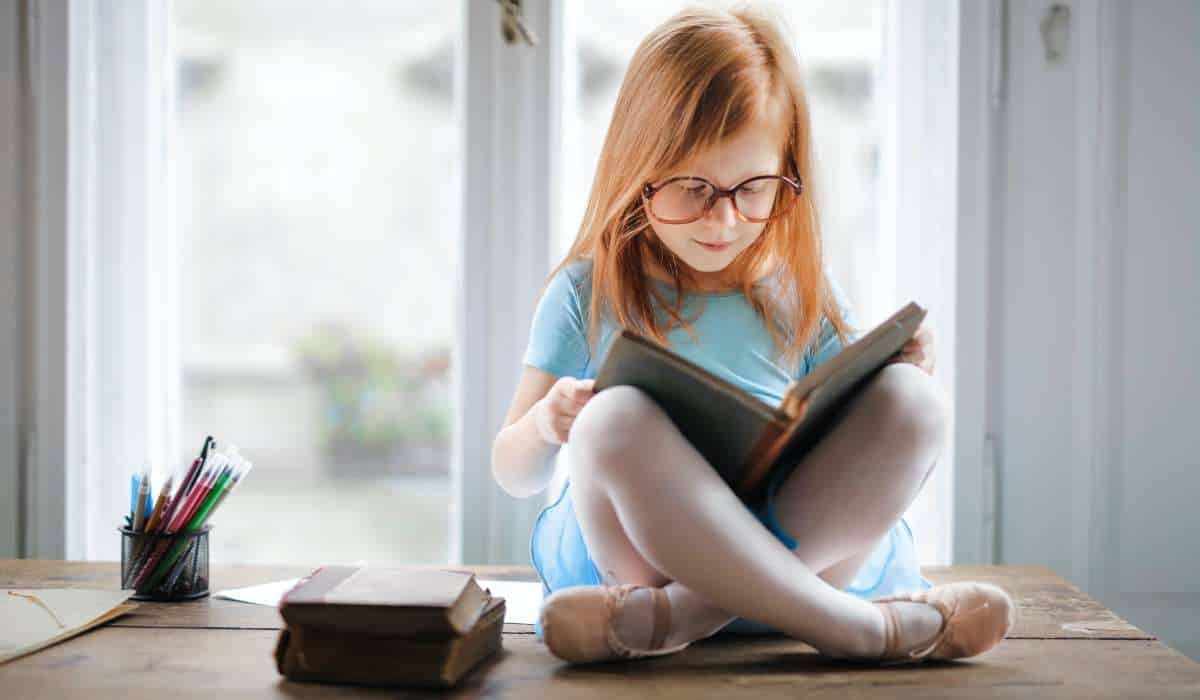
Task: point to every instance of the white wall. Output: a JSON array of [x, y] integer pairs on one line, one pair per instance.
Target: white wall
[[1094, 293]]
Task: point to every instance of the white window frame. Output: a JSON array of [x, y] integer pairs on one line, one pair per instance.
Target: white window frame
[[91, 305], [980, 84], [918, 191], [57, 38], [508, 204], [511, 141]]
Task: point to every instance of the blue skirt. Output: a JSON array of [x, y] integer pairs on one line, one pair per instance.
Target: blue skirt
[[560, 556]]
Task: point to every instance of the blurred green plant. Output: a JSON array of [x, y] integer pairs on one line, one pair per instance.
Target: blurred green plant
[[374, 399]]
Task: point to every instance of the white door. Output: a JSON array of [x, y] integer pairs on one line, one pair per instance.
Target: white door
[[1096, 286]]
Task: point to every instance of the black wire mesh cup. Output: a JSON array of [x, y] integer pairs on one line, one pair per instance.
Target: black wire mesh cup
[[186, 576]]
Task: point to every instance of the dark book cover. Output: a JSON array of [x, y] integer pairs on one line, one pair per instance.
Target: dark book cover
[[406, 601]]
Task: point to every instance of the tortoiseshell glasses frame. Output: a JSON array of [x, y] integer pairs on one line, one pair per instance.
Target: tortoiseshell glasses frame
[[791, 188]]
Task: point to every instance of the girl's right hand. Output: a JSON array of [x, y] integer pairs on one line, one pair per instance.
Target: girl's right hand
[[555, 412]]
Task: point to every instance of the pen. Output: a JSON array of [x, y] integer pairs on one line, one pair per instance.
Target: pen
[[166, 548], [169, 524], [139, 513], [180, 518], [196, 522]]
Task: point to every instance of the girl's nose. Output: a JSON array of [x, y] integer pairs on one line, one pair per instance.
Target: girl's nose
[[723, 212]]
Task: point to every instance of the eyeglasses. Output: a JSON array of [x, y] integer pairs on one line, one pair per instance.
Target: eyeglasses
[[682, 200]]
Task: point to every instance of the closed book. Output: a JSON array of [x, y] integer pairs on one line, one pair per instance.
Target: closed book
[[406, 601], [331, 655], [743, 437]]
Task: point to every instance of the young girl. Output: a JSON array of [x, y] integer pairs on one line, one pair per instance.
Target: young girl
[[701, 232]]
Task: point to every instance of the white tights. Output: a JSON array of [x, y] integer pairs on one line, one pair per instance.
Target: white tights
[[653, 512]]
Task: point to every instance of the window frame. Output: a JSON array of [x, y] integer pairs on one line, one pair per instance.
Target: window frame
[[509, 198]]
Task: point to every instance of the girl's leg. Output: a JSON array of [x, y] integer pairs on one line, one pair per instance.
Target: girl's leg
[[652, 511]]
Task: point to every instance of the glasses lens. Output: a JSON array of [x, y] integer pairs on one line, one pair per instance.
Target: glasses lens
[[681, 199], [756, 199]]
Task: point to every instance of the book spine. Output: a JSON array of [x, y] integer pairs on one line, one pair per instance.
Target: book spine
[[758, 463]]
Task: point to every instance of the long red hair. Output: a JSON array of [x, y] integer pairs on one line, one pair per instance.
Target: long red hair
[[699, 78]]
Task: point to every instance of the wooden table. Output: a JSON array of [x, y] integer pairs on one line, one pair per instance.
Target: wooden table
[[1065, 645]]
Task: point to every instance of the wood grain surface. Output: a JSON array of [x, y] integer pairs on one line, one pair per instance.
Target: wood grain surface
[[1065, 645]]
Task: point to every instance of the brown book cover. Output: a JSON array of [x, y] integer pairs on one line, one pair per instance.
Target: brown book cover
[[743, 437], [330, 655], [407, 601]]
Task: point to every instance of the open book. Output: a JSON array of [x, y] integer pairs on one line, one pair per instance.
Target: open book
[[743, 437], [34, 619]]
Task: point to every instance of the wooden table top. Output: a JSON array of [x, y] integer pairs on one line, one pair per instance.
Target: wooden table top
[[1065, 644]]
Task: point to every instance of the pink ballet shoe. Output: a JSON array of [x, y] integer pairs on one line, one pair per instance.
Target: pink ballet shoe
[[577, 623], [975, 617]]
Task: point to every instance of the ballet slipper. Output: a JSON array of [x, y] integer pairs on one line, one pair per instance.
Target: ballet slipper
[[577, 623], [975, 617]]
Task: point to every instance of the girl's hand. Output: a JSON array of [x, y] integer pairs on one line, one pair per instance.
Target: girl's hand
[[555, 412], [918, 351]]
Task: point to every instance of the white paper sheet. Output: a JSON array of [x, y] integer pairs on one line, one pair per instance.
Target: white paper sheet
[[265, 594], [521, 598]]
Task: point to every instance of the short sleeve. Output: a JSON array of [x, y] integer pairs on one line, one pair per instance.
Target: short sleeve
[[828, 343], [558, 332]]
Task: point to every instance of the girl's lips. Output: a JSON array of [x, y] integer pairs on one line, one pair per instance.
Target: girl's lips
[[709, 246]]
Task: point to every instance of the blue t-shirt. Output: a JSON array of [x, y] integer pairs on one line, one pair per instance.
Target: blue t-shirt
[[732, 342]]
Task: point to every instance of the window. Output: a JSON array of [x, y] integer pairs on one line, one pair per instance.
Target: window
[[317, 175], [369, 198]]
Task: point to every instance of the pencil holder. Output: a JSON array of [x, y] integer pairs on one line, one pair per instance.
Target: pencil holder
[[165, 567]]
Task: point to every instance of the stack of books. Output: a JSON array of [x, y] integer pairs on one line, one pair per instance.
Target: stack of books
[[406, 626]]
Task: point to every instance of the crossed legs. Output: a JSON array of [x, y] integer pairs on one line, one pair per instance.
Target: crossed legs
[[654, 513]]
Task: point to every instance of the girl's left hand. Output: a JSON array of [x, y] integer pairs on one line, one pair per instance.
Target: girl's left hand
[[918, 351]]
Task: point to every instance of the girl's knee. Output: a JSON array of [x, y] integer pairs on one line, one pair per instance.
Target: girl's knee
[[615, 423], [911, 404]]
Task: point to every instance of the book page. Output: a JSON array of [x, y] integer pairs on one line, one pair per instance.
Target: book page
[[36, 618], [417, 587]]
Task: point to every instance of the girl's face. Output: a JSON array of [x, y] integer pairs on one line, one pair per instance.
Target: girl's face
[[756, 151]]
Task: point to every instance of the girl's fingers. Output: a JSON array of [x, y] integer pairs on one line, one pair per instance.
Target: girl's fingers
[[571, 406], [572, 397], [570, 401], [578, 391]]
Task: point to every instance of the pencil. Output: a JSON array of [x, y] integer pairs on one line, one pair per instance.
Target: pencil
[[164, 498], [163, 494]]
